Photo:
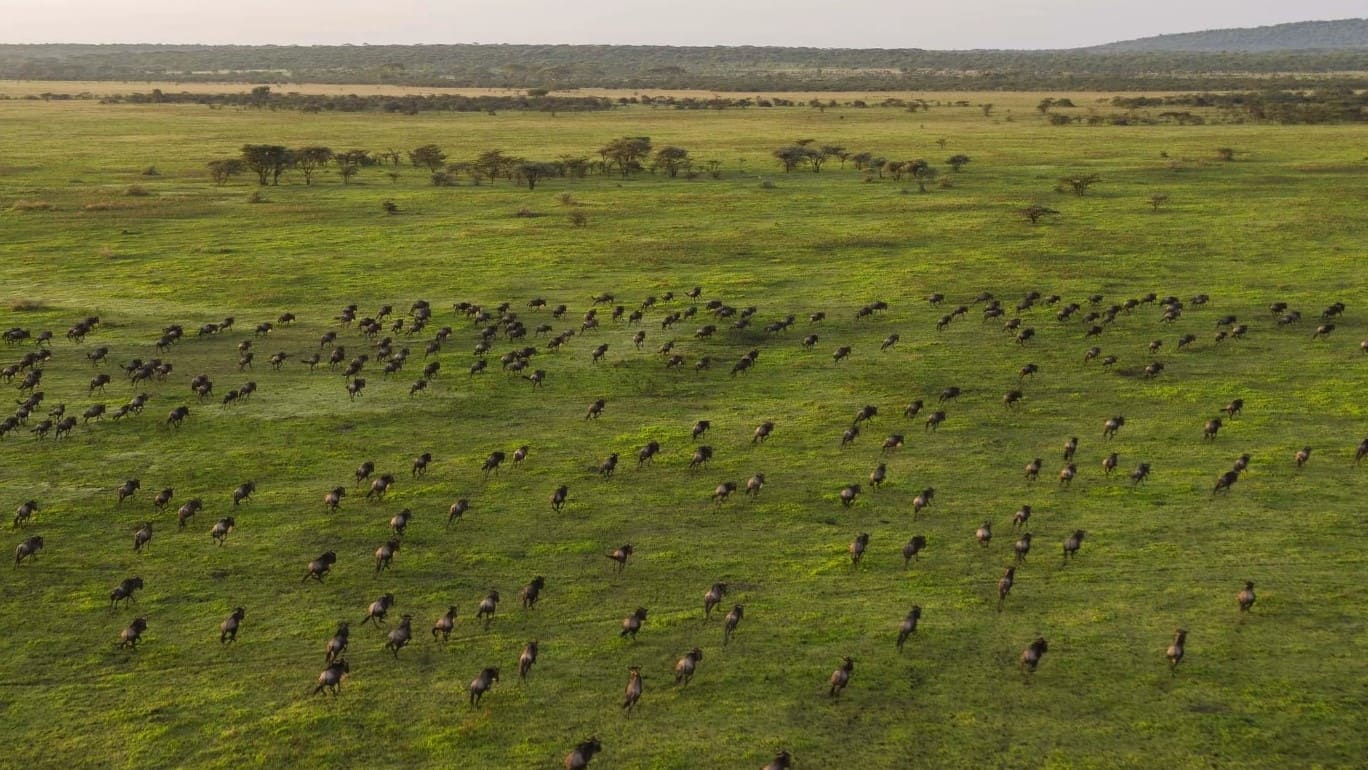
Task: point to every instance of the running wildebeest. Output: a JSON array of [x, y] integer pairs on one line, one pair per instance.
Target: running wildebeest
[[129, 637], [320, 566], [849, 493], [188, 511], [754, 484], [400, 636], [1072, 544], [878, 476], [701, 456], [620, 555], [633, 691], [1302, 456], [723, 491], [1030, 657], [607, 467], [127, 489], [492, 463], [1022, 547], [647, 453], [894, 441], [912, 548], [909, 625], [700, 428], [364, 470], [487, 608], [338, 643], [1361, 452], [1067, 473], [1212, 427], [445, 624], [841, 677], [923, 500], [933, 422], [842, 353], [24, 512], [420, 464], [1033, 469], [867, 412], [1020, 518], [243, 492], [1175, 651], [913, 409], [984, 534], [28, 549], [1111, 426], [124, 591], [857, 548], [333, 499], [142, 536], [1004, 585], [559, 496], [532, 592], [732, 620], [632, 623], [162, 499], [1245, 598], [1070, 448], [527, 659], [595, 409], [457, 510], [1141, 473], [583, 753], [1109, 464], [228, 629], [1234, 408], [219, 533], [377, 610], [380, 486], [712, 598], [385, 554], [331, 678], [1225, 481], [762, 432]]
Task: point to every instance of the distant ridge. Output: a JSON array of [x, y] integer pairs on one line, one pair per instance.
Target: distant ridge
[[1342, 34]]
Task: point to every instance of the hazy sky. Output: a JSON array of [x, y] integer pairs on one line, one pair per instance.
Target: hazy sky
[[825, 23]]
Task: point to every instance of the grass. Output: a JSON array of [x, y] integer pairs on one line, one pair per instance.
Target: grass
[[1282, 687]]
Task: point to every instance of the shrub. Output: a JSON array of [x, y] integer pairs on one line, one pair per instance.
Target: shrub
[[151, 171], [137, 191], [27, 305], [526, 213], [32, 206], [566, 199], [256, 197], [578, 218]]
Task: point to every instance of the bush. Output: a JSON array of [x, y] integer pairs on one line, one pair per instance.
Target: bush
[[390, 207], [526, 213], [27, 305], [151, 171], [566, 199], [579, 218], [137, 191], [256, 197], [32, 206]]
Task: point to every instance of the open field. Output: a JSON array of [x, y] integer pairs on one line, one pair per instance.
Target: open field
[[1283, 686]]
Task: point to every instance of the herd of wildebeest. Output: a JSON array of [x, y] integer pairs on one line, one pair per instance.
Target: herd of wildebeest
[[530, 337]]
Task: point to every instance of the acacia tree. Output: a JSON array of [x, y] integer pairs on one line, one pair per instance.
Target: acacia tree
[[672, 159], [532, 172], [922, 172], [957, 162], [625, 153], [493, 164], [349, 163], [223, 170], [1035, 211], [310, 159], [1079, 183], [429, 155], [269, 161], [792, 156]]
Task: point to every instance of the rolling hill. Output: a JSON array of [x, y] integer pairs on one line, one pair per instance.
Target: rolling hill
[[1340, 34]]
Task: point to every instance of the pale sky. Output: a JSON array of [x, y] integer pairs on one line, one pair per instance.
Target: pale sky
[[949, 24]]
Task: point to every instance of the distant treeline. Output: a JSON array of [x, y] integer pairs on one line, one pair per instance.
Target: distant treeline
[[1339, 105], [264, 97], [743, 68]]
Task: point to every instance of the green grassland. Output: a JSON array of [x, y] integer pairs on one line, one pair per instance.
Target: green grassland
[[1282, 687]]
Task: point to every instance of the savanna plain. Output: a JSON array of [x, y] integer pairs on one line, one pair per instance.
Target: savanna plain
[[84, 231]]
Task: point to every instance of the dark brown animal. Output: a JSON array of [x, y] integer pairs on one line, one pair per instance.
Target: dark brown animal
[[228, 629], [1030, 657], [912, 548], [124, 591], [532, 592], [1175, 651], [221, 529], [712, 598], [331, 678], [909, 625], [841, 677], [632, 623], [732, 620], [487, 608], [1004, 585], [400, 636], [684, 669], [1245, 598], [527, 659], [583, 753], [857, 548], [28, 549], [620, 555], [378, 609], [320, 566], [1072, 544], [129, 637], [633, 692]]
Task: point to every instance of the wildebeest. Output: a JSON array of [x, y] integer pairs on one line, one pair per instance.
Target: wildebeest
[[878, 476], [849, 493], [841, 677], [732, 620], [933, 422], [559, 496], [385, 554], [24, 512], [684, 669], [331, 678], [532, 592], [1033, 469], [633, 692], [782, 761], [142, 536], [221, 528], [583, 753], [1141, 473], [1020, 518], [177, 416], [984, 534], [1241, 463], [1175, 651], [1111, 426], [488, 606], [380, 486], [457, 510], [647, 453], [1109, 464], [124, 591], [28, 549], [320, 566], [527, 659], [712, 598], [1245, 598], [188, 511], [1030, 657], [754, 484], [723, 491], [867, 412], [1361, 452], [1022, 547], [1302, 456], [1070, 448], [1004, 585], [841, 353], [595, 409], [445, 624], [700, 428], [1067, 473], [1225, 481], [364, 470], [243, 492], [1234, 407], [857, 548], [338, 643], [420, 464], [607, 467], [127, 489], [228, 629], [894, 441], [909, 625], [632, 623], [1212, 427], [377, 610], [333, 499], [1027, 371], [912, 548], [400, 636], [913, 409], [1072, 544], [129, 637], [923, 500], [762, 432]]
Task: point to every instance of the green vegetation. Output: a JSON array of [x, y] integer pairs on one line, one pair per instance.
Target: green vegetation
[[1280, 687]]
